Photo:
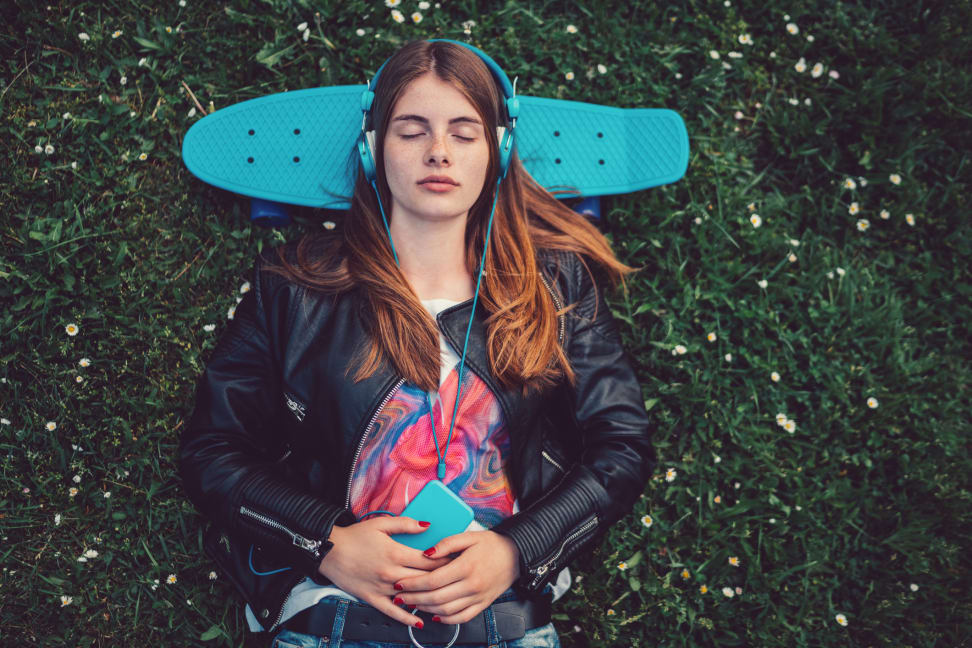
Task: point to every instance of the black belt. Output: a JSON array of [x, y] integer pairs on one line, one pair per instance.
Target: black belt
[[365, 623]]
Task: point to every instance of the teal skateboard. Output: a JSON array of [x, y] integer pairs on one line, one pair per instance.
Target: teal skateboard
[[298, 148]]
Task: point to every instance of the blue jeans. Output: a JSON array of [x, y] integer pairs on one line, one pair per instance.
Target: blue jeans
[[541, 637]]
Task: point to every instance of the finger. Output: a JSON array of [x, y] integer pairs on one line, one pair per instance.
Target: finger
[[434, 579], [447, 600], [452, 544], [413, 558], [392, 525], [464, 613], [389, 608]]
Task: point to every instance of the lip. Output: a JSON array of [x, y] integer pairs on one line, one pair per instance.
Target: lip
[[438, 179]]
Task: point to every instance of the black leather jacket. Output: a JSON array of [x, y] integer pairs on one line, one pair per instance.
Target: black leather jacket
[[270, 449]]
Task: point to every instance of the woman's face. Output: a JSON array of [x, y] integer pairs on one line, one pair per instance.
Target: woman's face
[[434, 131]]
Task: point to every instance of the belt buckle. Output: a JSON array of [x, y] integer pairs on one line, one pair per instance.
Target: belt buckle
[[415, 641]]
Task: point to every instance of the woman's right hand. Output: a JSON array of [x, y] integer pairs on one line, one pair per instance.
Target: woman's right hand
[[366, 562]]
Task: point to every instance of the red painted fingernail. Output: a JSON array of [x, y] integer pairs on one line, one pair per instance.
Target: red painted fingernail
[[399, 586], [425, 524], [398, 600], [429, 551], [412, 608], [419, 624], [437, 618]]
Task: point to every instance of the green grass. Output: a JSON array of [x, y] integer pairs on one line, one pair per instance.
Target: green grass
[[841, 516]]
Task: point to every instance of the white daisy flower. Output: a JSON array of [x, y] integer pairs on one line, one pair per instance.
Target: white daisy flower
[[571, 29], [727, 592], [107, 494], [775, 377], [359, 31], [423, 5], [57, 519], [392, 3], [680, 350], [910, 219], [329, 225], [716, 458], [913, 587], [711, 337], [793, 101], [212, 575], [817, 70], [895, 178], [734, 561], [601, 68], [49, 149], [840, 271], [171, 579], [72, 491], [143, 156], [622, 566], [38, 149], [569, 76], [209, 327], [790, 426], [82, 559], [728, 357], [91, 553], [66, 600], [792, 258], [245, 288], [872, 402], [801, 65], [647, 521], [863, 224], [51, 426], [123, 80], [78, 379], [416, 17], [841, 619], [853, 209], [745, 39], [117, 33], [762, 283], [670, 475], [302, 26], [76, 479], [83, 37], [735, 55], [231, 312], [397, 16], [713, 54], [781, 419], [833, 74], [4, 421], [850, 184], [755, 220], [810, 38], [792, 29], [885, 214]]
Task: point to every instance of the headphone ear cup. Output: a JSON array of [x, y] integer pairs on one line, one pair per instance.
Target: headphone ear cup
[[366, 147]]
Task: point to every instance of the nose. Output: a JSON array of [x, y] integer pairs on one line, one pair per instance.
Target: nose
[[439, 153]]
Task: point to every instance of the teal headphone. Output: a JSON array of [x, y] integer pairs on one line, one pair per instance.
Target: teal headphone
[[505, 134], [366, 148]]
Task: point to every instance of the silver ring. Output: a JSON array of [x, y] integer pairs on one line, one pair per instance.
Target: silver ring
[[414, 641]]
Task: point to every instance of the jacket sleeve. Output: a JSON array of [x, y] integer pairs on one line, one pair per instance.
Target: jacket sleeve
[[228, 449], [617, 458]]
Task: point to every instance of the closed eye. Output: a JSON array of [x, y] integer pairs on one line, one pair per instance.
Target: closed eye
[[460, 137]]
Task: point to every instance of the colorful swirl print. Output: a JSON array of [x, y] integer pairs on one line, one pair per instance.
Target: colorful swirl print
[[399, 457]]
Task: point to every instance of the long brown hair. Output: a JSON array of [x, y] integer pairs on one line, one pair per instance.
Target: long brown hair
[[521, 327]]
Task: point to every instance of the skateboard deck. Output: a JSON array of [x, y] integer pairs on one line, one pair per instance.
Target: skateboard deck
[[298, 147]]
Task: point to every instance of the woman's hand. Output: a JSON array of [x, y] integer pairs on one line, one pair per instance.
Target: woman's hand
[[367, 563], [487, 564]]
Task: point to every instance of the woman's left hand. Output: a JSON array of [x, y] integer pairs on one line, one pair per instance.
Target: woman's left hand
[[486, 565]]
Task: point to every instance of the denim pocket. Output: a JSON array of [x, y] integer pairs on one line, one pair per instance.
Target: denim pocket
[[289, 639], [539, 637]]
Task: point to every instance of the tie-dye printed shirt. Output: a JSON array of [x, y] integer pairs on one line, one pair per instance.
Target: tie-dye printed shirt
[[399, 457]]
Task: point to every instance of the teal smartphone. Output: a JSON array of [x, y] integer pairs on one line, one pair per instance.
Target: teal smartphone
[[437, 504]]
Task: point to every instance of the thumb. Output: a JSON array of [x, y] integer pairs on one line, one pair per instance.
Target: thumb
[[399, 524]]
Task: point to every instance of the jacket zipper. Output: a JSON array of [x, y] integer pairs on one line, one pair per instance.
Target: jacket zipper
[[299, 541], [558, 304], [295, 407], [549, 561], [551, 460], [371, 424]]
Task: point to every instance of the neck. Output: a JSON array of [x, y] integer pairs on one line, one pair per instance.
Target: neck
[[431, 256]]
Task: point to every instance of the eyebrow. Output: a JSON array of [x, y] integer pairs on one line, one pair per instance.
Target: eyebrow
[[423, 120]]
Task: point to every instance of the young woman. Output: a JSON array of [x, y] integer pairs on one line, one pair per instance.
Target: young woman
[[450, 330]]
